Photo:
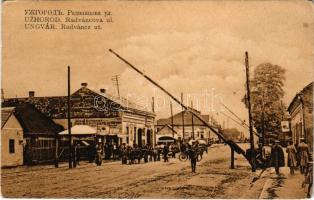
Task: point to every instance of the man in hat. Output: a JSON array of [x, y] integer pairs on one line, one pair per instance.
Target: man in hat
[[277, 156], [303, 154], [193, 157]]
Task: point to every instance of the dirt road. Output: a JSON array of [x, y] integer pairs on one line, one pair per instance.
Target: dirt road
[[213, 179]]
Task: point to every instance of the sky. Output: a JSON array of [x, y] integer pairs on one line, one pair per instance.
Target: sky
[[193, 47]]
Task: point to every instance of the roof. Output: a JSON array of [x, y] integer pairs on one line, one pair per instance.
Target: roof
[[126, 103], [83, 105], [34, 122], [177, 119], [6, 114], [80, 130], [167, 126], [302, 92]]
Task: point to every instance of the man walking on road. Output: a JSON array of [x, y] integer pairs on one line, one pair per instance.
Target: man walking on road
[[193, 157], [277, 156], [165, 153]]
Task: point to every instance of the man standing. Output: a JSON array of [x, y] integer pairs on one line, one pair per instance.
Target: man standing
[[78, 155], [292, 160], [98, 154], [145, 153], [266, 153], [193, 158], [277, 156], [165, 153], [303, 151]]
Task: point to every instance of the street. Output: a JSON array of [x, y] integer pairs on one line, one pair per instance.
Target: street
[[213, 179]]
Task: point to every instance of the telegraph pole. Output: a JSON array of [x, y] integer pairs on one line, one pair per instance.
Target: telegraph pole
[[171, 119], [154, 130], [153, 104], [69, 120], [263, 124], [115, 80], [249, 108], [193, 137], [183, 111]]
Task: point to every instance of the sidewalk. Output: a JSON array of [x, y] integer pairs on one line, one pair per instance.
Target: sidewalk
[[34, 168], [284, 185]]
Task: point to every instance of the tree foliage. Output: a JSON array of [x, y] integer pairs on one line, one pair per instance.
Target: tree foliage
[[232, 134], [267, 92]]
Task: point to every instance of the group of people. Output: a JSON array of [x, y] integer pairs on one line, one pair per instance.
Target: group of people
[[298, 157], [134, 154], [131, 154]]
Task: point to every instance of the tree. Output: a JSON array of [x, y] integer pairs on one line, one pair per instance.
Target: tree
[[232, 134], [266, 98]]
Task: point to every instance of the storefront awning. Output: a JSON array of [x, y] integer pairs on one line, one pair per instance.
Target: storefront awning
[[166, 139], [80, 130]]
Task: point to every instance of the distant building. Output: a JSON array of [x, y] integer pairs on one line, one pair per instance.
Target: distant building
[[166, 134], [200, 130], [120, 120], [301, 112], [11, 139]]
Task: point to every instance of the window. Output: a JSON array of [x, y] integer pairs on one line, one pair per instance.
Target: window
[[11, 146]]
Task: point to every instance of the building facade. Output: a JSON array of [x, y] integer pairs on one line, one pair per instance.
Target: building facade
[[11, 139], [119, 119], [301, 113], [193, 127]]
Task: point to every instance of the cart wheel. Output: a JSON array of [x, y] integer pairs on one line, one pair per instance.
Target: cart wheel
[[183, 157]]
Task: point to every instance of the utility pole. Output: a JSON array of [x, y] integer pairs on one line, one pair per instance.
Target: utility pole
[[263, 122], [153, 130], [153, 104], [232, 159], [171, 119], [249, 108], [183, 111], [69, 119], [115, 80], [193, 137], [2, 95]]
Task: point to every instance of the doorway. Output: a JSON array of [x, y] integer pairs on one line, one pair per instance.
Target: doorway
[[149, 137], [139, 136]]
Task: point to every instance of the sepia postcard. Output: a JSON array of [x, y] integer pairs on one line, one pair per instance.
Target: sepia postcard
[[157, 99]]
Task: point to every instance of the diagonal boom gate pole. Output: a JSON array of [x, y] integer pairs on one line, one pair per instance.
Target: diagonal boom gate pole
[[232, 144]]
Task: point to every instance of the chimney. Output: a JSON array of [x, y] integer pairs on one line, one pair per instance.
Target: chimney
[[102, 90], [31, 94], [84, 84]]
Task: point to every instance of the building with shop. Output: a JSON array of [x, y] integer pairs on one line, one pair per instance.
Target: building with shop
[[120, 120], [164, 127], [40, 134], [11, 139], [301, 113], [31, 135]]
